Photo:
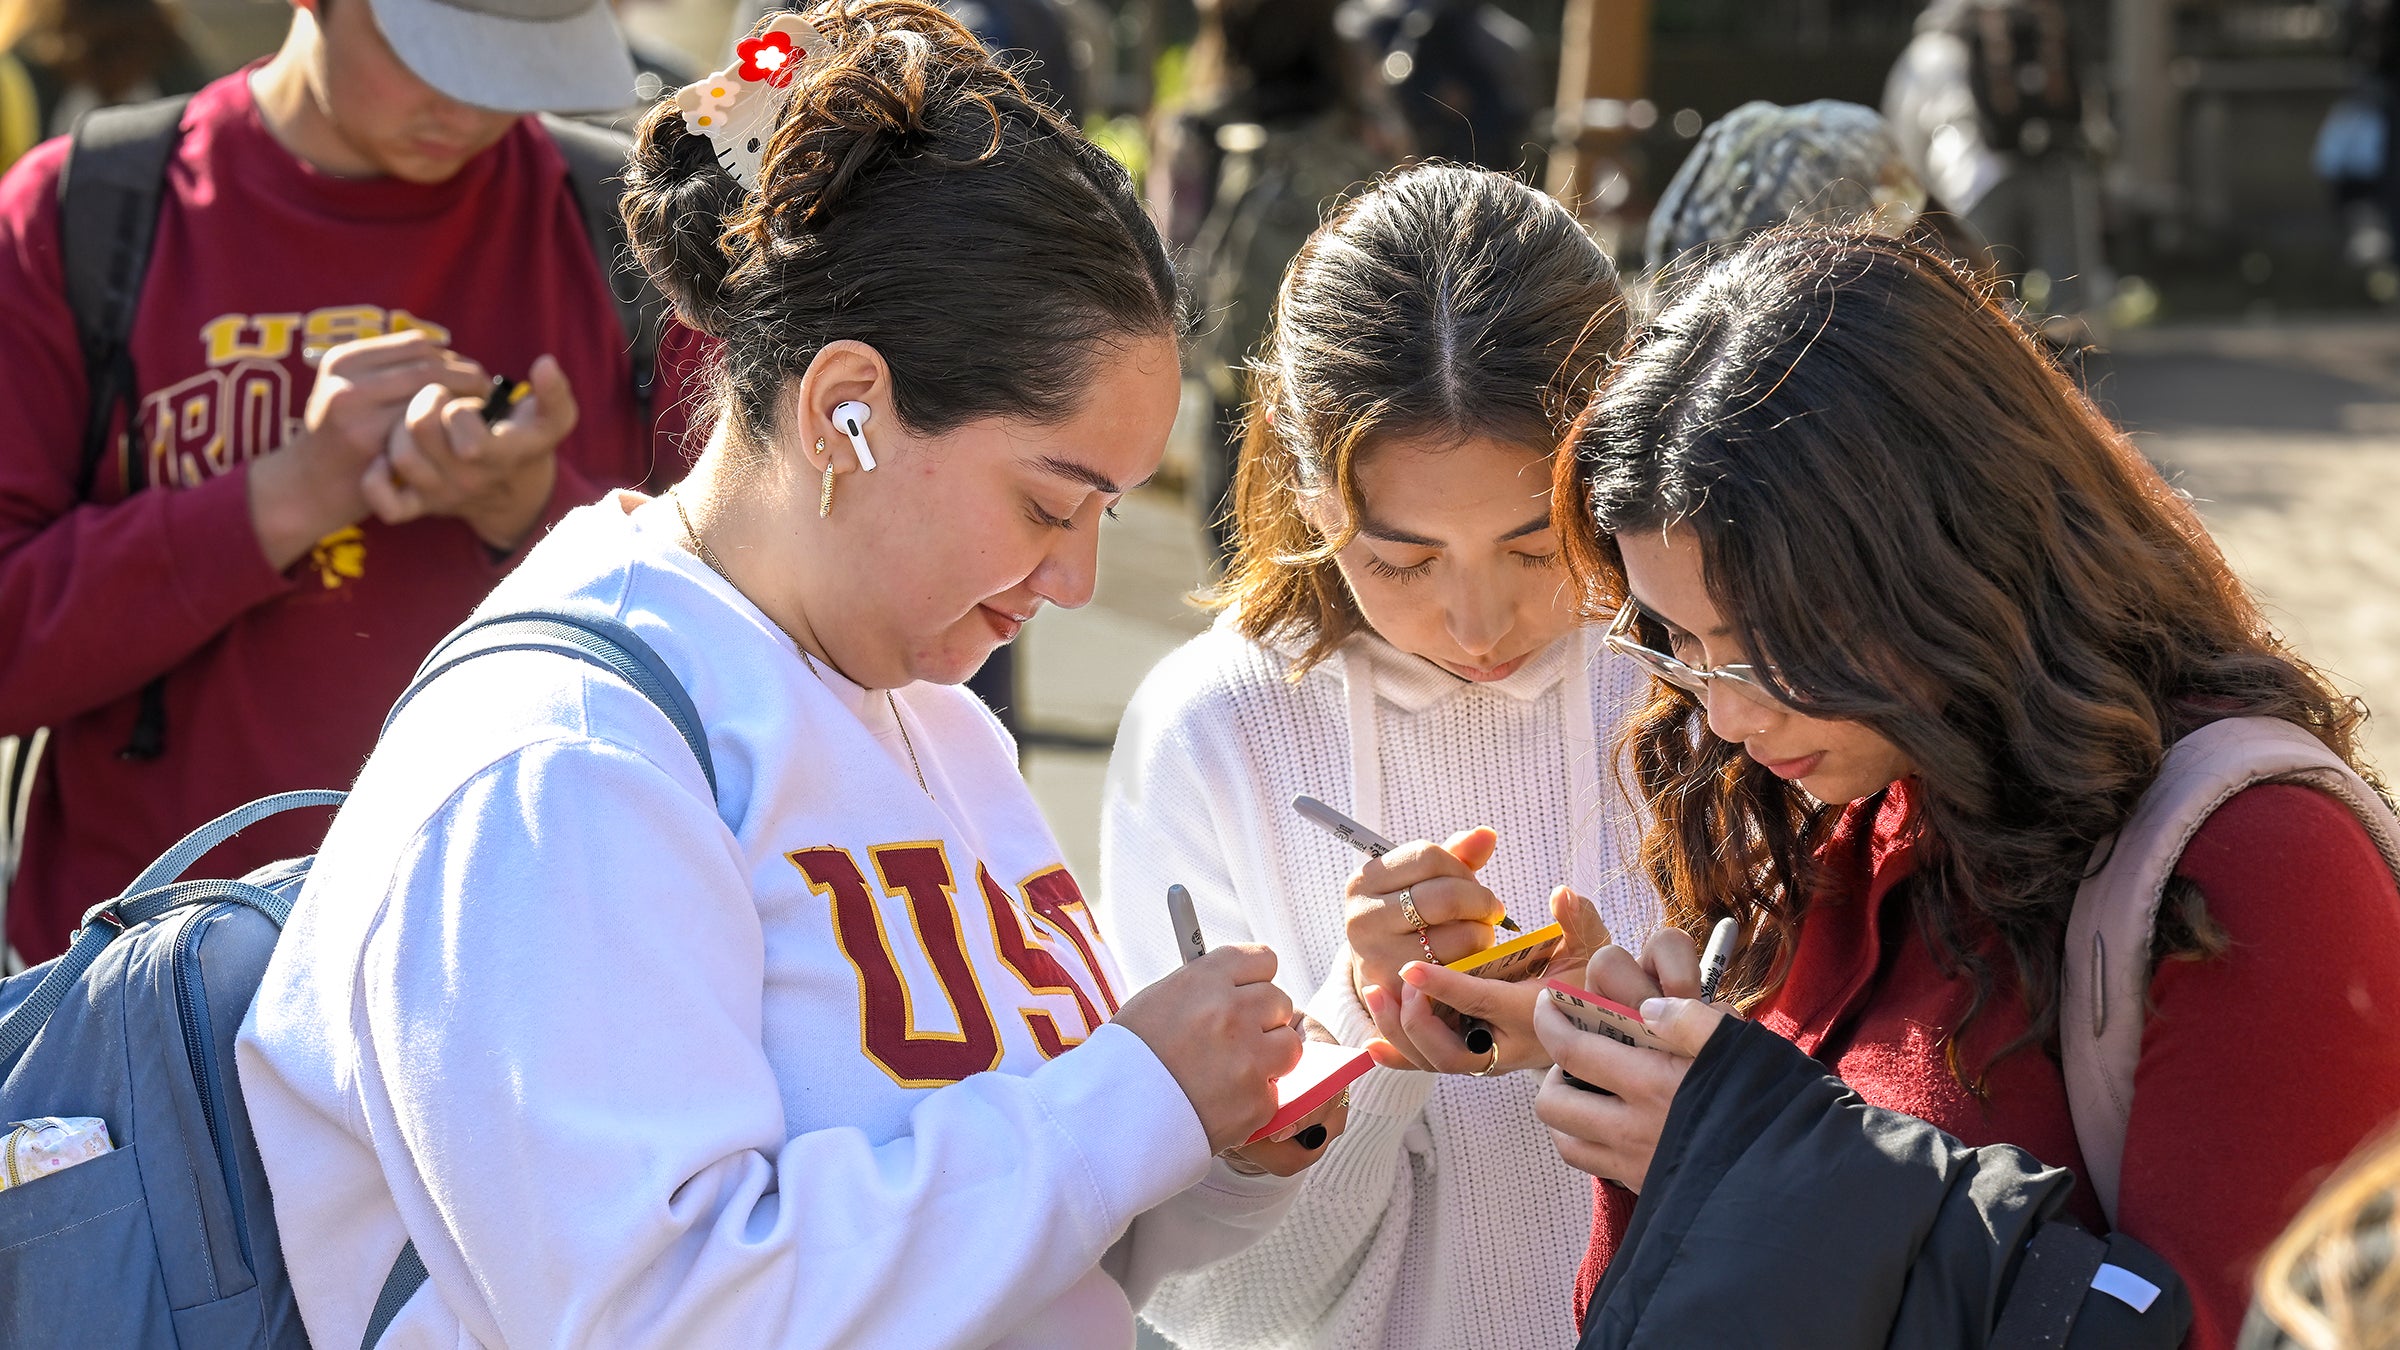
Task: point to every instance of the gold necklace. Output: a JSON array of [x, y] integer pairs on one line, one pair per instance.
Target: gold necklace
[[708, 555]]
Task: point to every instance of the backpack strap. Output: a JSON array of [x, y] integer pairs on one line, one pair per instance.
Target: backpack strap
[[2105, 981], [108, 196], [596, 640], [155, 892], [595, 171], [109, 191], [592, 638], [407, 1277]]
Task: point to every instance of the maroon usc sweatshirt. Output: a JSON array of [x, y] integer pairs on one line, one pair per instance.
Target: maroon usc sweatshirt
[[272, 680]]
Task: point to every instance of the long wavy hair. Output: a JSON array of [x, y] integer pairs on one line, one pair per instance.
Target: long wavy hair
[[1920, 522]]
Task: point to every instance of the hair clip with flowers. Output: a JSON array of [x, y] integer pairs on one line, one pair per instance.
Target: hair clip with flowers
[[737, 108]]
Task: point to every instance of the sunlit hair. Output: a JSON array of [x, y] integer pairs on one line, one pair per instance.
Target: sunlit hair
[[2330, 1282], [1445, 302], [915, 197], [1905, 508]]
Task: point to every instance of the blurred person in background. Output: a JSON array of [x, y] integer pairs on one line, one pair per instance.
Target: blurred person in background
[[1282, 121], [659, 69], [2330, 1282], [1462, 73], [62, 58], [2353, 153], [296, 496], [1989, 104], [1763, 165]]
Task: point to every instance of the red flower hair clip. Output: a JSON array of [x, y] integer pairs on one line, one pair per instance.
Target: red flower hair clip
[[770, 58], [738, 108]]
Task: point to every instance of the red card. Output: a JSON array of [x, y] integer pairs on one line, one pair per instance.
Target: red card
[[1324, 1070]]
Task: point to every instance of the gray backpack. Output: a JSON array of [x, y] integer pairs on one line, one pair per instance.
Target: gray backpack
[[169, 1239]]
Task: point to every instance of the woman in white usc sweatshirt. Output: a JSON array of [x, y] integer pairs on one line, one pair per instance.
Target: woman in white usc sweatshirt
[[836, 1058], [1399, 639]]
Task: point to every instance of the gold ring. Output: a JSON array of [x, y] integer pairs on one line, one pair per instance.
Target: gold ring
[[1408, 910], [1492, 1068]]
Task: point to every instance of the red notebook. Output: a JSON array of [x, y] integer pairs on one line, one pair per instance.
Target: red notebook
[[1324, 1069]]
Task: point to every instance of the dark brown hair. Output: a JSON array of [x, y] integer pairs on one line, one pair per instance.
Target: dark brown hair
[[1444, 301], [914, 197], [1915, 518]]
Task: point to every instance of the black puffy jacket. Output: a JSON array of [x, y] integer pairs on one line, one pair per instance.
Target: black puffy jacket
[[1781, 1210]]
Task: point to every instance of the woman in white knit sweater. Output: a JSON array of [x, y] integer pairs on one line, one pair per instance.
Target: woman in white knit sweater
[[1398, 639]]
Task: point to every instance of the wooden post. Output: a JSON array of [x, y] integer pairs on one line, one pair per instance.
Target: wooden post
[[1604, 53], [2146, 106]]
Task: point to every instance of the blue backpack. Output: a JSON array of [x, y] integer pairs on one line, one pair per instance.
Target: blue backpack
[[169, 1240]]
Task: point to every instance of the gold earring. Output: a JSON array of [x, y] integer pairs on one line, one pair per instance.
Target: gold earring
[[825, 502]]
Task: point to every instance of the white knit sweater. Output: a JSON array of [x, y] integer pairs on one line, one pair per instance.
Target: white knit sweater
[[1443, 1217]]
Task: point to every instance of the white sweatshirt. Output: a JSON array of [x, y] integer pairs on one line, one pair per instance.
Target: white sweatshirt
[[1443, 1217], [633, 1069]]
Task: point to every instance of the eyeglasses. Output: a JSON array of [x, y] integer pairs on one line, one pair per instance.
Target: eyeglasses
[[1755, 683]]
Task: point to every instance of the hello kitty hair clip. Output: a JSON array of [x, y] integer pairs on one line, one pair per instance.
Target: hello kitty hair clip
[[737, 108]]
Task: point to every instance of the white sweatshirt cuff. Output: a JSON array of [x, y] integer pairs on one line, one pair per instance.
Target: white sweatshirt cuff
[[1336, 1004], [1382, 1092], [1140, 1140]]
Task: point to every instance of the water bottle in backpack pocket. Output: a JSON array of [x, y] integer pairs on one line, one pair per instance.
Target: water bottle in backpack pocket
[[168, 1239]]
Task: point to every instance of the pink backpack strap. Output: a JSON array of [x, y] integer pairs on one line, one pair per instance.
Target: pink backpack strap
[[2105, 986]]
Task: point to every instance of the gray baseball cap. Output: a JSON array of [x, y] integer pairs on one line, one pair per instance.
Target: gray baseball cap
[[513, 55]]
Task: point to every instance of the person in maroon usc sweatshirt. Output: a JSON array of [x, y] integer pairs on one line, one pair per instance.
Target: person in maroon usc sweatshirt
[[349, 221]]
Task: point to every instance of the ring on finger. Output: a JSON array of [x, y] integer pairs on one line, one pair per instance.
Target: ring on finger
[[1492, 1068], [1408, 910]]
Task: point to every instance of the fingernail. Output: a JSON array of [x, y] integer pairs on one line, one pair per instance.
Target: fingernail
[[1655, 1008], [1413, 972], [1311, 1138]]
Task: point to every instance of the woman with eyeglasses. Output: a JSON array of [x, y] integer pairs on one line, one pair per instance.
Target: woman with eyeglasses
[[1925, 628]]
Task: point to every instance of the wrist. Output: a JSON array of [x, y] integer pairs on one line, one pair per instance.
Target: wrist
[[504, 525], [291, 509]]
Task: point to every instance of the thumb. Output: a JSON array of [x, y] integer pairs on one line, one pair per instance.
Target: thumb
[[1473, 847], [1586, 931], [1683, 1025], [554, 411]]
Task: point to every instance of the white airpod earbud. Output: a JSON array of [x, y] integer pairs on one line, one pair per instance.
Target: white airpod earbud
[[851, 420]]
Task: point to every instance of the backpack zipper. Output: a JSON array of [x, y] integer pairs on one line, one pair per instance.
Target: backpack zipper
[[191, 1006]]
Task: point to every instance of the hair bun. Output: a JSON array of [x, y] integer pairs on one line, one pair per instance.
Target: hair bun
[[676, 206]]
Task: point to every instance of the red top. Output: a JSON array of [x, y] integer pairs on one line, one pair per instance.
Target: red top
[[2260, 1071], [274, 680]]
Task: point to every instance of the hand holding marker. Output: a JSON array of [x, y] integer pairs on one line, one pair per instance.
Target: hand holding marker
[[1357, 836], [504, 396], [1186, 922], [1476, 1035]]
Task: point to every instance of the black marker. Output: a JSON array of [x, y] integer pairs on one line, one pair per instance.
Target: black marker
[[504, 396]]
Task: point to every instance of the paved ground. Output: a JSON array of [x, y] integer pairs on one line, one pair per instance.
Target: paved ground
[[2288, 436], [2289, 439]]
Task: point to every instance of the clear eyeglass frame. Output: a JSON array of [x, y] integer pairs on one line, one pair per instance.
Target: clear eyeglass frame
[[1750, 681]]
